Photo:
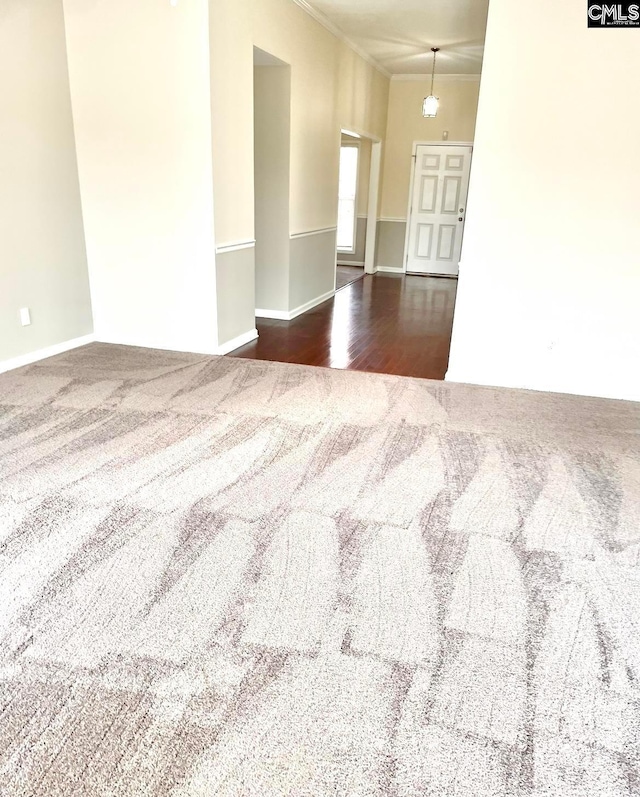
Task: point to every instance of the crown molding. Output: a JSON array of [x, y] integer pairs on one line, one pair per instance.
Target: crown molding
[[326, 23], [457, 78]]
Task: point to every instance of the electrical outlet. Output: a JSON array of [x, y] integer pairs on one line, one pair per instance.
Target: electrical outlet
[[25, 317]]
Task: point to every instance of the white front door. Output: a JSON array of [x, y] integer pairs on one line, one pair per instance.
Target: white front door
[[438, 205]]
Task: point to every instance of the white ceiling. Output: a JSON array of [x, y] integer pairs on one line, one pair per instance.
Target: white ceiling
[[398, 34]]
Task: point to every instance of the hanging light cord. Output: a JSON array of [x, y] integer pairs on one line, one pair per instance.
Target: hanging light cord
[[434, 50]]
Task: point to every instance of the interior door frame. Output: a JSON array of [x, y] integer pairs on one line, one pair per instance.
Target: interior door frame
[[414, 160], [375, 179], [356, 144]]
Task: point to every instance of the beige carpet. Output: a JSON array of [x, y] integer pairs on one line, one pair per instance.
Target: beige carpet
[[228, 577]]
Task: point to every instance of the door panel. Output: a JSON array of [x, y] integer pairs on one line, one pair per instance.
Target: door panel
[[446, 242], [436, 223], [424, 239], [428, 194], [451, 195]]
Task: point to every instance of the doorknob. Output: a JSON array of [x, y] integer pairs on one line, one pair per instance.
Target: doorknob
[[460, 219]]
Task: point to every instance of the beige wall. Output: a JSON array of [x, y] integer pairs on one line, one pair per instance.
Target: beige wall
[[457, 114], [364, 172], [141, 104], [550, 272], [363, 94], [163, 120], [42, 254], [331, 87], [231, 76], [272, 147], [286, 31]]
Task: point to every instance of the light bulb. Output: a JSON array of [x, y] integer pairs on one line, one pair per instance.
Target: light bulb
[[430, 107]]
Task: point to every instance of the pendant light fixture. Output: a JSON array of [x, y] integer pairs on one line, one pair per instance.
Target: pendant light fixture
[[430, 104]]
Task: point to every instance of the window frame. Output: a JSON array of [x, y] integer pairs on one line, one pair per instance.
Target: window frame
[[352, 250]]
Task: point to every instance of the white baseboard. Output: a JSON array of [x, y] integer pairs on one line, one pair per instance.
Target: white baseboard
[[313, 303], [278, 315], [241, 340], [42, 354], [158, 345], [283, 315], [391, 269], [357, 263], [225, 348]]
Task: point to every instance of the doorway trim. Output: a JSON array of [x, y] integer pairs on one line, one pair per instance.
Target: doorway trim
[[372, 208], [414, 152], [374, 196]]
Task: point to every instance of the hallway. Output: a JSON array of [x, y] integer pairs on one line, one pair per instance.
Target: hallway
[[345, 275], [385, 323]]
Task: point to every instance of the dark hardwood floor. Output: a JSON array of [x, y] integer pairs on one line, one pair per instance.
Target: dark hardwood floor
[[345, 275], [385, 323]]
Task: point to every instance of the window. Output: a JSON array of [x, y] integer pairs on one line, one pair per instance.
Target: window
[[347, 198]]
